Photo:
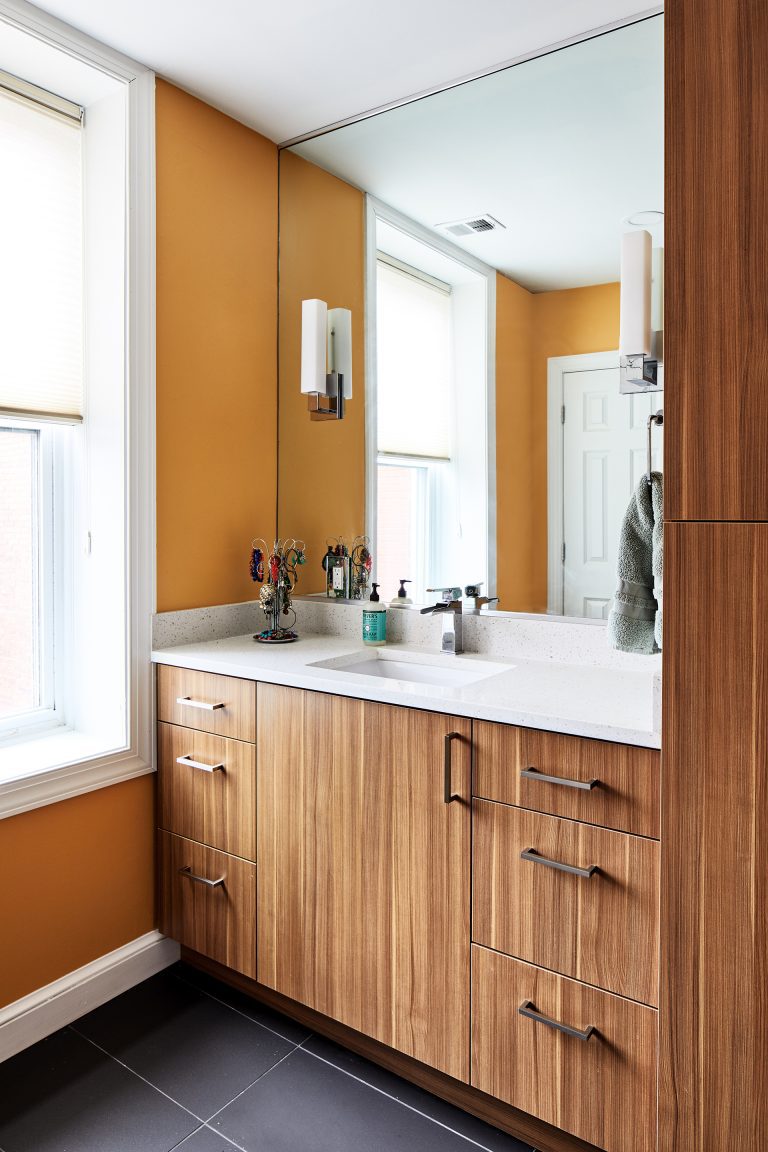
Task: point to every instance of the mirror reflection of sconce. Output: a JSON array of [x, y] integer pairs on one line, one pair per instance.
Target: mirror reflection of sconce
[[641, 324], [326, 359]]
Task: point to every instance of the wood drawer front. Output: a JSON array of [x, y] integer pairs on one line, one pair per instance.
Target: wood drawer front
[[216, 807], [235, 715], [219, 922], [602, 929], [602, 1090], [626, 795]]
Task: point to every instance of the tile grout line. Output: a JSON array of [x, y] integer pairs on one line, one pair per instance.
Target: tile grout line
[[245, 1015], [187, 1137], [138, 1076], [410, 1107], [246, 1089]]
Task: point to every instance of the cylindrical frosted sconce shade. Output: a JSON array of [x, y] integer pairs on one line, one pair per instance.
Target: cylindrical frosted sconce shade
[[314, 337], [635, 315]]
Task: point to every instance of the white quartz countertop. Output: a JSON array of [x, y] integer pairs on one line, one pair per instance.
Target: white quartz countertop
[[582, 700]]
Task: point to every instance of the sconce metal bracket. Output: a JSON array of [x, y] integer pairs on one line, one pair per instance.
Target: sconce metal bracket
[[330, 407]]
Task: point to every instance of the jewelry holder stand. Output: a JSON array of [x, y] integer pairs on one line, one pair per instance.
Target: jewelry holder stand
[[277, 573]]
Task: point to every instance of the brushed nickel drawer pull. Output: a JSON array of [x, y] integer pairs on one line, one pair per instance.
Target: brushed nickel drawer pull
[[190, 763], [527, 1009], [534, 774], [190, 703], [534, 857], [190, 875], [448, 795]]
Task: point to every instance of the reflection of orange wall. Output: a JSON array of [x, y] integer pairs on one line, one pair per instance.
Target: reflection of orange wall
[[77, 882], [322, 464], [216, 351], [566, 323]]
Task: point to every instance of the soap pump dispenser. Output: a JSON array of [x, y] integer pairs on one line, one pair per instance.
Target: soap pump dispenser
[[402, 598], [375, 620]]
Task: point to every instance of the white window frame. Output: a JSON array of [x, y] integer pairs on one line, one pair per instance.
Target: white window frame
[[378, 210], [55, 767]]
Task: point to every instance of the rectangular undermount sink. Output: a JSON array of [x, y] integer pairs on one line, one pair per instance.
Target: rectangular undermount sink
[[442, 671]]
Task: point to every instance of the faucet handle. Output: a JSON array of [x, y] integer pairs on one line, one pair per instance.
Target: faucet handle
[[472, 591], [447, 594]]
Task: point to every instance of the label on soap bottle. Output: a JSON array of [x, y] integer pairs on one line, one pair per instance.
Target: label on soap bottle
[[374, 627]]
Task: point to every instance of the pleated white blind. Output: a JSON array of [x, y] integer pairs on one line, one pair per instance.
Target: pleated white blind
[[41, 261], [414, 365]]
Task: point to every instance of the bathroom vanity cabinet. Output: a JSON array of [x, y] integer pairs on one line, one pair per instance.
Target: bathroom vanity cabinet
[[480, 901]]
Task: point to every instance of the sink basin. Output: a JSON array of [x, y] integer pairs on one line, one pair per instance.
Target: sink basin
[[440, 671]]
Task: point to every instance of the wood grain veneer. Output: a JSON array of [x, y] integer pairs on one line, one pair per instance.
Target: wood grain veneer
[[602, 1090], [527, 1128], [714, 953], [219, 922], [603, 930], [237, 719], [364, 871], [716, 261], [218, 808], [626, 798]]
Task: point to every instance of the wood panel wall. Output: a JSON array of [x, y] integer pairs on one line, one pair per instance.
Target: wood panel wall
[[714, 955]]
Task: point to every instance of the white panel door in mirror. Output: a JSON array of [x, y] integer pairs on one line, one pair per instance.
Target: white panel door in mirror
[[604, 459]]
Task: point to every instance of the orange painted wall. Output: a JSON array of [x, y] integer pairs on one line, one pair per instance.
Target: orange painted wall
[[216, 351], [566, 323], [78, 881], [321, 480]]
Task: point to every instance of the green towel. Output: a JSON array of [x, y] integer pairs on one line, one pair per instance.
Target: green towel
[[634, 623]]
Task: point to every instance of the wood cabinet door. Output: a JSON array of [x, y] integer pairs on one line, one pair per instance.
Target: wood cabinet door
[[364, 869], [714, 858], [716, 261]]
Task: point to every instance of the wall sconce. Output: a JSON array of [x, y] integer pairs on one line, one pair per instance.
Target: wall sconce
[[641, 328], [326, 359]]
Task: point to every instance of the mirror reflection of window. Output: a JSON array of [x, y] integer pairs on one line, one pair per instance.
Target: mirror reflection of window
[[416, 412]]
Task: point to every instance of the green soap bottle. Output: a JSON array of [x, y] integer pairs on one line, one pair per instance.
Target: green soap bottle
[[375, 620]]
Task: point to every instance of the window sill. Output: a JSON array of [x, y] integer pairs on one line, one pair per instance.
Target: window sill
[[58, 766]]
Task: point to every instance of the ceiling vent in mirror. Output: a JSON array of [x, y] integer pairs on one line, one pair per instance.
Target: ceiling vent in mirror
[[473, 225]]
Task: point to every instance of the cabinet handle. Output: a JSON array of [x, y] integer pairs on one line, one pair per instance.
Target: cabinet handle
[[534, 857], [527, 1009], [190, 763], [190, 875], [534, 774], [190, 703], [448, 795]]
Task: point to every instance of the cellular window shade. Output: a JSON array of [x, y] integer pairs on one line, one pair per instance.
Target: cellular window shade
[[414, 365], [41, 262]]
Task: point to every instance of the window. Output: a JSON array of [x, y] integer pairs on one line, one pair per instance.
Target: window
[[430, 472], [414, 341], [41, 380], [76, 362]]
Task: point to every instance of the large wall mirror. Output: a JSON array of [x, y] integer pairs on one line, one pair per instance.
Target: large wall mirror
[[475, 236]]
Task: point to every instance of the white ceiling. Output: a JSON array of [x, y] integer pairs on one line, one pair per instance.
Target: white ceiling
[[292, 67], [560, 149]]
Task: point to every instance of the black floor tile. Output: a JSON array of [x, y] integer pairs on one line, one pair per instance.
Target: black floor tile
[[63, 1095], [415, 1097], [198, 1051], [283, 1025], [205, 1140], [308, 1105]]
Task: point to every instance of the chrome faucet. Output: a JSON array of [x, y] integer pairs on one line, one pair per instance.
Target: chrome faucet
[[472, 592], [450, 607]]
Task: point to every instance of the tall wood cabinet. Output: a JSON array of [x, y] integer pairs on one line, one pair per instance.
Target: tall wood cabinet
[[714, 916], [364, 868]]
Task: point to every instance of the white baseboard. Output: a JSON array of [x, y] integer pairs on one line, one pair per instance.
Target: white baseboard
[[42, 1012]]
